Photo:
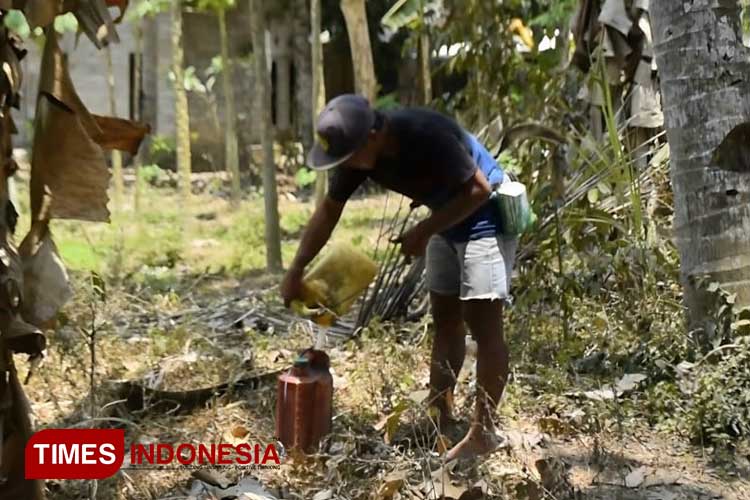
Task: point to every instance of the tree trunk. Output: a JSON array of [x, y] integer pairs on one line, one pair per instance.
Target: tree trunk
[[263, 91], [704, 70], [116, 155], [424, 57], [137, 109], [231, 152], [283, 60], [318, 87], [355, 16], [182, 114], [303, 117]]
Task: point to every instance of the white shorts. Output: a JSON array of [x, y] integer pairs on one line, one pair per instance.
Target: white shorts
[[474, 270]]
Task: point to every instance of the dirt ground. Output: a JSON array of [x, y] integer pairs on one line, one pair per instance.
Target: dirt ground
[[555, 446]]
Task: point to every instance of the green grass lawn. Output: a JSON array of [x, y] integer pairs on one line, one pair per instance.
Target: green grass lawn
[[163, 239]]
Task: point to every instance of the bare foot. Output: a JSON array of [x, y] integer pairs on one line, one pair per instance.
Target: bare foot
[[477, 442]]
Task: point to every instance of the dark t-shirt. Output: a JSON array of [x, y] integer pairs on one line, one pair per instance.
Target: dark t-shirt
[[435, 158]]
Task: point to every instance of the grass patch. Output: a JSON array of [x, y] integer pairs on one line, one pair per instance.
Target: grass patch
[[163, 240]]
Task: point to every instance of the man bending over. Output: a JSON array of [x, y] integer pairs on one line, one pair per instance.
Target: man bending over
[[430, 159]]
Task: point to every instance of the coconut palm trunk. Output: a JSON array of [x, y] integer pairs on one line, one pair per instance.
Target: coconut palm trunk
[[182, 114], [263, 91], [231, 152], [704, 68]]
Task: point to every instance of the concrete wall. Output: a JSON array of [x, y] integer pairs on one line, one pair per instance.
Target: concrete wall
[[201, 42], [88, 70]]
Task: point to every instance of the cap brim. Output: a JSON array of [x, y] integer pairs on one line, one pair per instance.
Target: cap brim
[[320, 160]]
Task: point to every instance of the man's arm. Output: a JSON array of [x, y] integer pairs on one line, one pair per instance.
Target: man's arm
[[314, 238], [472, 195]]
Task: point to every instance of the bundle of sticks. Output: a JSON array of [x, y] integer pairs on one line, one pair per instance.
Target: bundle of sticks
[[400, 279]]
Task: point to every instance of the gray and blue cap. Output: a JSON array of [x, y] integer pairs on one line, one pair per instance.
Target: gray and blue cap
[[342, 128]]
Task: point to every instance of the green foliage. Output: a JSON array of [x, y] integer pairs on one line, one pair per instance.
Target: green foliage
[[66, 23], [502, 81], [510, 163], [718, 408], [411, 14], [16, 22], [152, 174], [305, 177], [162, 149], [215, 5], [555, 15], [193, 82], [147, 8], [387, 102]]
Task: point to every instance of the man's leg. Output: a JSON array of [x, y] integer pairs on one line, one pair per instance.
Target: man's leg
[[449, 345], [485, 320], [448, 351]]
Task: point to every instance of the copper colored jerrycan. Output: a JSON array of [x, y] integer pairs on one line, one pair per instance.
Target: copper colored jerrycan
[[304, 402]]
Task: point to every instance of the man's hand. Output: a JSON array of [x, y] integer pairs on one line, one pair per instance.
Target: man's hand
[[291, 286], [414, 241]]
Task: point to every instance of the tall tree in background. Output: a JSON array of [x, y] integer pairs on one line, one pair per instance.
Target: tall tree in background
[[424, 58], [302, 49], [282, 31], [355, 16], [182, 112], [137, 110], [116, 155], [704, 71], [318, 85], [137, 15], [231, 150], [263, 91]]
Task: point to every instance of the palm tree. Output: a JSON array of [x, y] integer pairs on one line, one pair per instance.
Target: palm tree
[[703, 67]]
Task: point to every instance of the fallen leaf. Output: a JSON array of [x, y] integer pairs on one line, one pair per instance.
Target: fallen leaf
[[323, 495], [600, 395], [629, 382], [554, 426], [392, 483], [214, 478], [247, 489], [626, 384], [662, 477], [390, 422], [523, 440], [240, 431], [440, 486], [636, 477], [419, 396]]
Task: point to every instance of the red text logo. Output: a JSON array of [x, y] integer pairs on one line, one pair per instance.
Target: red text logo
[[202, 454], [74, 453]]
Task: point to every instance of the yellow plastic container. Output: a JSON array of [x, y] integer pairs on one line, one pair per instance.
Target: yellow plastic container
[[334, 283]]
